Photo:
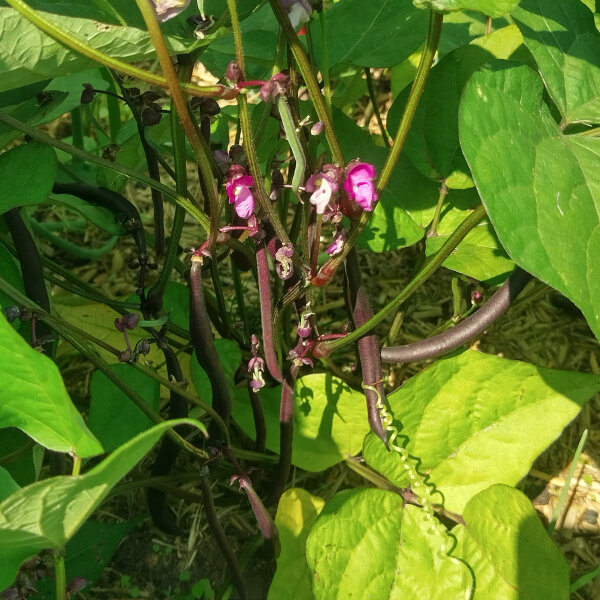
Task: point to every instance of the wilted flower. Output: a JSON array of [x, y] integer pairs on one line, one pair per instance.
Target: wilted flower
[[276, 86], [299, 11], [88, 93], [359, 184], [167, 9], [128, 321], [238, 191], [233, 73], [284, 266], [338, 243], [256, 366]]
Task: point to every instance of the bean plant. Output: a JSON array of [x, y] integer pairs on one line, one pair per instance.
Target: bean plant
[[264, 198]]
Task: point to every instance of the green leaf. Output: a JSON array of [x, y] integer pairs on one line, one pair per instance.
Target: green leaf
[[373, 34], [474, 420], [540, 187], [34, 399], [25, 463], [521, 561], [45, 515], [432, 143], [330, 420], [562, 36], [27, 174], [493, 8], [366, 544], [176, 302], [88, 553], [28, 55], [8, 485], [297, 512], [480, 255], [113, 417]]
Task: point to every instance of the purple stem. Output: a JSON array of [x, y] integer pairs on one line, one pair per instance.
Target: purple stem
[[264, 290], [204, 347], [286, 434]]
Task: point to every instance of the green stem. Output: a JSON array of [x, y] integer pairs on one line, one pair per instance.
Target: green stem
[[38, 136], [310, 80], [438, 211], [436, 261], [237, 35], [431, 44], [59, 34], [60, 575], [196, 142], [77, 129], [375, 105], [325, 61]]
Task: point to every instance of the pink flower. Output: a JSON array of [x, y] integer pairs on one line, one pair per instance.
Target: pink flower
[[167, 9], [359, 184], [323, 186], [239, 194]]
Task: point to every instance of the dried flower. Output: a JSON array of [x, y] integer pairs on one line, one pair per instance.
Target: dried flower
[[256, 366], [284, 267], [278, 85], [359, 184], [338, 243], [167, 9]]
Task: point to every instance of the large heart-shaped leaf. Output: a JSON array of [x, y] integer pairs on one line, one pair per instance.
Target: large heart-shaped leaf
[[367, 544], [34, 399], [562, 36], [432, 143], [474, 420], [540, 188], [45, 515], [505, 545], [297, 512]]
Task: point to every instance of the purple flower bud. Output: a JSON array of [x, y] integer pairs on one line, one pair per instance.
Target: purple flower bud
[[317, 128], [278, 85], [476, 298], [359, 184], [304, 328], [284, 267], [167, 9], [88, 93], [233, 73], [128, 321]]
